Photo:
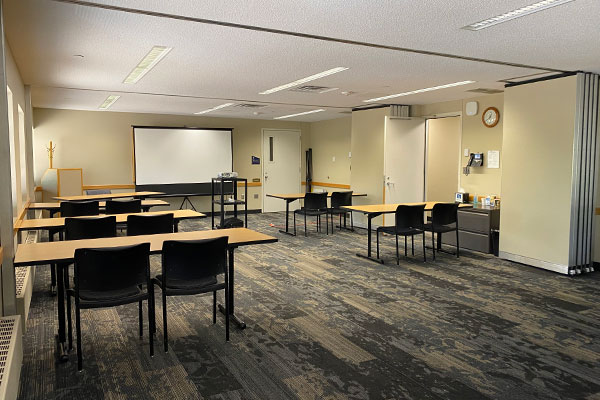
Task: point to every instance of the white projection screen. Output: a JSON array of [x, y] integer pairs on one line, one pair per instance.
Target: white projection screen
[[176, 156]]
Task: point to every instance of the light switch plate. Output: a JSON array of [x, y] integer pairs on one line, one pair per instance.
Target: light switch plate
[[466, 153], [333, 159]]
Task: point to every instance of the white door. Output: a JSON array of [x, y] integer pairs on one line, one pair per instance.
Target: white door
[[281, 166], [404, 165]]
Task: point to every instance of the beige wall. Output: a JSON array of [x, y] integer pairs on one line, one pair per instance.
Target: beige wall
[[100, 143], [536, 174], [329, 139], [479, 139], [443, 158], [367, 140]]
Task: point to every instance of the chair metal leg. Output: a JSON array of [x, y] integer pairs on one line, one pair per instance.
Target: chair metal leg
[[405, 253], [397, 253], [227, 305], [305, 227], [424, 253], [67, 287], [141, 318], [327, 224], [151, 318], [412, 242], [214, 307], [377, 234], [352, 221], [78, 330], [69, 324], [52, 277], [165, 335], [294, 224], [457, 247], [433, 244]]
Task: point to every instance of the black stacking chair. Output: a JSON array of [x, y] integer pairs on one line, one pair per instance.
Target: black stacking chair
[[72, 209], [149, 224], [192, 267], [112, 277], [409, 222], [315, 204], [97, 191], [339, 199], [85, 228], [79, 208], [123, 206], [444, 218]]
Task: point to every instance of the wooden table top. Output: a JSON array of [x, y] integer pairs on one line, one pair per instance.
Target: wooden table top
[[391, 208], [49, 223], [296, 196], [105, 196], [64, 251], [56, 205]]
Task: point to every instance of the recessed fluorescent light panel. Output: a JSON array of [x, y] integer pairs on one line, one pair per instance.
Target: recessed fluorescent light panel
[[148, 62], [391, 96], [304, 80], [519, 12], [214, 108], [110, 100], [299, 114]]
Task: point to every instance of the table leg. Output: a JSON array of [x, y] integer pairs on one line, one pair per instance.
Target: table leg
[[61, 337], [52, 267], [176, 225], [241, 324], [368, 256], [345, 226], [287, 219]]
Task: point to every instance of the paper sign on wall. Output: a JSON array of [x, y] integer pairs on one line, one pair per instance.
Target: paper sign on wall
[[493, 159]]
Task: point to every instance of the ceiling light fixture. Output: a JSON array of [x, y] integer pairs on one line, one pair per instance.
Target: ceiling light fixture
[[148, 62], [110, 100], [449, 85], [519, 12], [304, 80], [214, 108], [299, 114]]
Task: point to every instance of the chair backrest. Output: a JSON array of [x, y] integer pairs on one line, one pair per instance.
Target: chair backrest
[[444, 213], [112, 268], [315, 201], [339, 199], [90, 228], [79, 208], [194, 259], [149, 224], [123, 206], [410, 216], [97, 191]]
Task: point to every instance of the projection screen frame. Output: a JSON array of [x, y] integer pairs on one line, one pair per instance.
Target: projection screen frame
[[171, 189]]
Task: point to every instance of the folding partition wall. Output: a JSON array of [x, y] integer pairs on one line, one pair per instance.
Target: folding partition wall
[[549, 173]]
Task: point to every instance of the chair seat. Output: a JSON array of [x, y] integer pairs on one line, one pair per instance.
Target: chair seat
[[439, 228], [392, 230], [310, 212], [338, 210], [109, 298], [187, 283]]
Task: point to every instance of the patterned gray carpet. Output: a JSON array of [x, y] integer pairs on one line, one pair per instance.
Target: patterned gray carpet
[[325, 324]]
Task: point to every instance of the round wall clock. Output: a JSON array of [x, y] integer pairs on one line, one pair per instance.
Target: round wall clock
[[490, 117]]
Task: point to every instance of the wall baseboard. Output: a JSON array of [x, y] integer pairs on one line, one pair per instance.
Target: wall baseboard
[[561, 269]]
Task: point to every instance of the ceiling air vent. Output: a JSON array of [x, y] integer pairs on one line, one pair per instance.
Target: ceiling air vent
[[312, 89], [250, 105], [485, 91]]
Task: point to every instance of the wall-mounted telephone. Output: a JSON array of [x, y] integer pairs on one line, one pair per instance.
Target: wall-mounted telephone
[[475, 160]]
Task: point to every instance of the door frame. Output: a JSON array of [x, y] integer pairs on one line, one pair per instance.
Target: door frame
[[264, 160], [460, 146]]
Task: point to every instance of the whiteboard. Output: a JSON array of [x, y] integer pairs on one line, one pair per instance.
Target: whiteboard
[[172, 155]]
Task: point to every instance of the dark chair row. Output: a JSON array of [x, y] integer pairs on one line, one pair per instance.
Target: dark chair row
[[410, 221], [121, 275], [315, 205], [85, 208]]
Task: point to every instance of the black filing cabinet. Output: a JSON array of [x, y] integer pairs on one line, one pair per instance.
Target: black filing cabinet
[[477, 229]]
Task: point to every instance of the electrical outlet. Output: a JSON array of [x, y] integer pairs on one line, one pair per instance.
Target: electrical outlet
[[243, 197], [466, 153], [333, 159], [256, 196]]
